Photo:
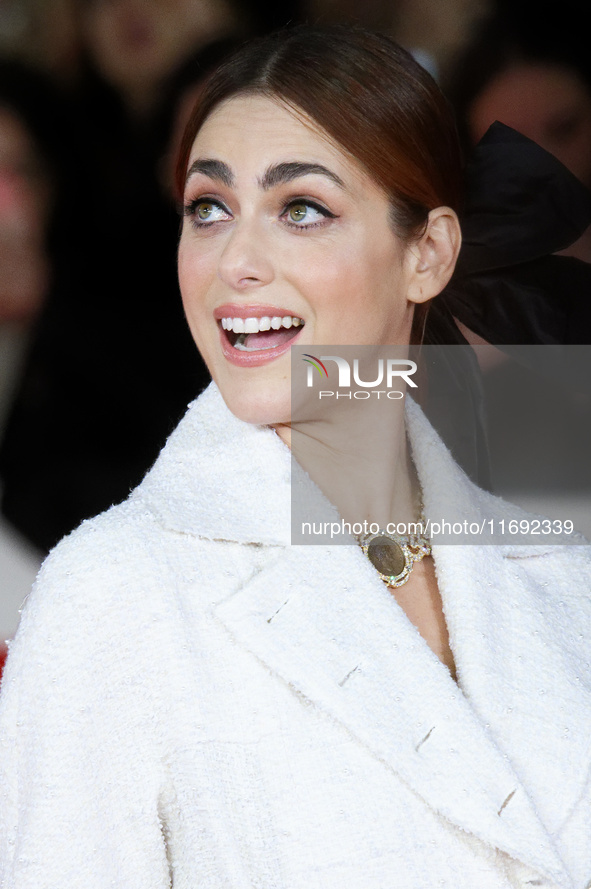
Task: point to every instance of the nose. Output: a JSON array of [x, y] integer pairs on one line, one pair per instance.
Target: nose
[[245, 262]]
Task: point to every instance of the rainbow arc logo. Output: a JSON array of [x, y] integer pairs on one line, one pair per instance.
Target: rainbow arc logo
[[315, 362]]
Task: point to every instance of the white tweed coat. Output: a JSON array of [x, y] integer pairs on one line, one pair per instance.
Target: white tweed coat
[[192, 702]]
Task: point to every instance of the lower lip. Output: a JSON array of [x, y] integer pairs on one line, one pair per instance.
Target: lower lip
[[254, 359]]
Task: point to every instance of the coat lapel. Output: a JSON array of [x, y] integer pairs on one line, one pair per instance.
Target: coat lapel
[[519, 621], [319, 618], [522, 669]]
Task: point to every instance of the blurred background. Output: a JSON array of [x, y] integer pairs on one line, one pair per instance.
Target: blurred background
[[96, 364]]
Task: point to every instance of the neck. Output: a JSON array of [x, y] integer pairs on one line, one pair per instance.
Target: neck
[[357, 454]]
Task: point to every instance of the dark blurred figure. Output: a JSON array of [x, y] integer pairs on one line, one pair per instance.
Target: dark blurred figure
[[528, 66], [135, 44], [31, 119], [29, 115], [112, 365]]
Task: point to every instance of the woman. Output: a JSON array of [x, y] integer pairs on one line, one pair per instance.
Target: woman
[[190, 700]]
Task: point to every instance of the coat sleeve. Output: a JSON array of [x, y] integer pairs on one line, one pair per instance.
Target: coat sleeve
[[80, 765]]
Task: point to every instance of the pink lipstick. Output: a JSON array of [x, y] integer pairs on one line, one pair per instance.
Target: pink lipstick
[[256, 334]]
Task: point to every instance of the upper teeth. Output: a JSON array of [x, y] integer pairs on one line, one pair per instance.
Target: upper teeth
[[254, 325]]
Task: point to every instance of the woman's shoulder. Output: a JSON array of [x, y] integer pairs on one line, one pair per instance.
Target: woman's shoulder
[[119, 565], [118, 542], [114, 599], [100, 575], [174, 526]]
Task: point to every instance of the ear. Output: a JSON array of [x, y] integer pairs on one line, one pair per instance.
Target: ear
[[432, 258]]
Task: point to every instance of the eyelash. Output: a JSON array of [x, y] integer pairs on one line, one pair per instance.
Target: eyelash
[[306, 202], [190, 210]]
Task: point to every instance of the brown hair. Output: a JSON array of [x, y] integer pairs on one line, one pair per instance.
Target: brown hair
[[369, 95]]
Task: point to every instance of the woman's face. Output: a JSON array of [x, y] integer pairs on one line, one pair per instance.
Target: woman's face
[[285, 240]]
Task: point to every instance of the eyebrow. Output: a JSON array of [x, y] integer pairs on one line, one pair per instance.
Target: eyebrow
[[280, 174], [214, 169], [277, 174]]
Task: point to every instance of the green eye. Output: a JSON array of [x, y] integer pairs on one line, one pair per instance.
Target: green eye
[[297, 212], [204, 210]]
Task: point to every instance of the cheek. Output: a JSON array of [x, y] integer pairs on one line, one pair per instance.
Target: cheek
[[195, 277], [360, 275], [196, 271], [329, 272]]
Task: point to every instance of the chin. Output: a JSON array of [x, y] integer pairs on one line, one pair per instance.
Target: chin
[[258, 405]]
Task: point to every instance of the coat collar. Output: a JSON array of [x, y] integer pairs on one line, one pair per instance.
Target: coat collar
[[208, 479], [319, 617]]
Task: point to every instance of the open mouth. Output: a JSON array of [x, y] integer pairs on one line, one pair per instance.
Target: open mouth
[[260, 334]]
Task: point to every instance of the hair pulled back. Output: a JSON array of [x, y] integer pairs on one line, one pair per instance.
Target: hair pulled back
[[368, 94]]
